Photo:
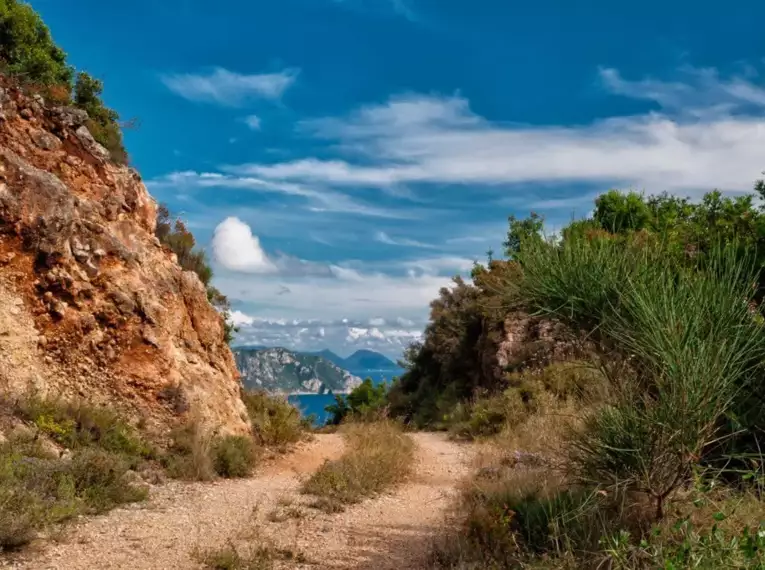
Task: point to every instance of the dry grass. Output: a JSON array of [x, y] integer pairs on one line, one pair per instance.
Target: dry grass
[[275, 422], [190, 457], [197, 454], [377, 457]]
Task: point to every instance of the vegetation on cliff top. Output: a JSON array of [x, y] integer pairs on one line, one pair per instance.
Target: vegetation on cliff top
[[28, 52]]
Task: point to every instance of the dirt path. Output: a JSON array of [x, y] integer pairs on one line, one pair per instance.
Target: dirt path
[[383, 533]]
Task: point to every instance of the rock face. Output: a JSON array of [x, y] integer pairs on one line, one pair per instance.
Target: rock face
[[91, 305], [281, 371]]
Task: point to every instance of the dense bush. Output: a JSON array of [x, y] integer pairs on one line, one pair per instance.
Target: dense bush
[[26, 47]]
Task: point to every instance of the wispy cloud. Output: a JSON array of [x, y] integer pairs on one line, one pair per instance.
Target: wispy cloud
[[224, 87], [703, 93], [253, 121], [421, 139], [317, 200], [399, 7], [383, 237]]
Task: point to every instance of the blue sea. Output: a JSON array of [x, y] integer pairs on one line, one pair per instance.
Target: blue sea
[[315, 403]]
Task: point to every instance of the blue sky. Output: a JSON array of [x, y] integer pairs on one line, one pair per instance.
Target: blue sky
[[341, 159]]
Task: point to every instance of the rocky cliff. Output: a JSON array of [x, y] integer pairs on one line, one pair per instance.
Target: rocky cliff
[[281, 371], [91, 304]]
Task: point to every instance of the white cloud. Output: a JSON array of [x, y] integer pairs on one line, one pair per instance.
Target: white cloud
[[230, 88], [377, 322], [253, 121], [698, 143], [235, 247], [317, 200], [382, 237], [239, 319], [704, 93]]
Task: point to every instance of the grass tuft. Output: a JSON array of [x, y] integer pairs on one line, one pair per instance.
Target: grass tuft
[[378, 456]]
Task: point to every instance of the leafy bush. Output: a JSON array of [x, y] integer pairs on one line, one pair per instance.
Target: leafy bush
[[234, 456], [377, 456], [365, 403], [26, 46], [665, 294], [103, 122], [99, 478], [275, 422]]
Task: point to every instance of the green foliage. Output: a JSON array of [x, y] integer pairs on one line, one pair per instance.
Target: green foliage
[[618, 213], [234, 456], [26, 46], [75, 425], [29, 53], [38, 488], [275, 422], [103, 122], [99, 478], [664, 294], [520, 231], [364, 403]]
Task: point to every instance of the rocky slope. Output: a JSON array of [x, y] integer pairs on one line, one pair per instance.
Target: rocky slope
[[91, 305], [281, 371]]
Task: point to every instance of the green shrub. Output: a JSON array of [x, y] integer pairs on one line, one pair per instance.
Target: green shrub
[[75, 425], [100, 479], [103, 122], [234, 456], [377, 456], [26, 46], [37, 490], [275, 422], [364, 403]]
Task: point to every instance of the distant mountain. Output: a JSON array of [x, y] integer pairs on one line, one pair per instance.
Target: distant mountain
[[358, 361], [281, 371], [368, 360], [327, 354]]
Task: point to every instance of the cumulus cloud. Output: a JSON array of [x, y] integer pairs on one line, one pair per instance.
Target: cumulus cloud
[[229, 88], [236, 248], [711, 133]]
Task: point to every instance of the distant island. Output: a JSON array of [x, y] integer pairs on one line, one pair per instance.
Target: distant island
[[283, 371]]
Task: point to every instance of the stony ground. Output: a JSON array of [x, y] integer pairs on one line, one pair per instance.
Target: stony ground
[[389, 532]]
